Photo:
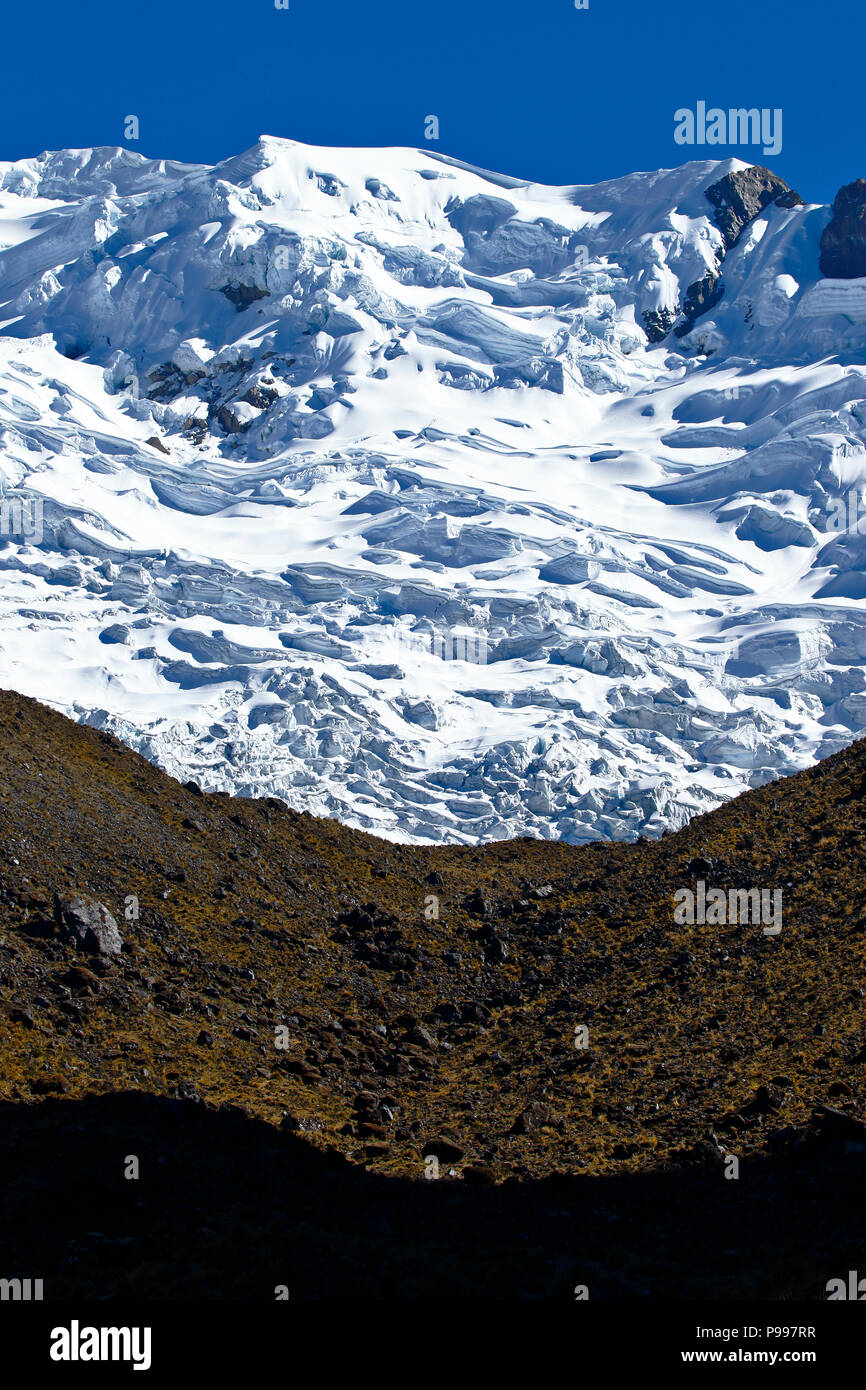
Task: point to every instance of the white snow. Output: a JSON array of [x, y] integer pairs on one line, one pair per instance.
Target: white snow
[[404, 401]]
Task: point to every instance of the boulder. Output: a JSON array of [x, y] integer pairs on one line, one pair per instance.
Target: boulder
[[537, 1115], [88, 925]]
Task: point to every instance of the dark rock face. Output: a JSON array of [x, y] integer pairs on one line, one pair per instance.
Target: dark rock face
[[230, 422], [741, 195], [657, 323], [701, 296], [262, 397], [242, 296], [843, 242], [88, 924]]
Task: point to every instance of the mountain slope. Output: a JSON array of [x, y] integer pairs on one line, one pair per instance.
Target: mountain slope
[[283, 973], [298, 422], [444, 984]]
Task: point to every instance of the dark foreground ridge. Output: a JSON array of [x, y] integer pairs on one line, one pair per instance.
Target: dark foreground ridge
[[349, 1067], [229, 1208]]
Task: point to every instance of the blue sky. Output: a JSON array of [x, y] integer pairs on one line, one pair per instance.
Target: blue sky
[[540, 90]]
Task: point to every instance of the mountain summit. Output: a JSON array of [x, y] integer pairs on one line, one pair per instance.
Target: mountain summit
[[451, 505]]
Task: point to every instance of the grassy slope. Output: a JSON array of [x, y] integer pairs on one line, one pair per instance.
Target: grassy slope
[[246, 923]]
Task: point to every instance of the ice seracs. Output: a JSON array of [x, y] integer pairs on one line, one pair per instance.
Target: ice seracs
[[449, 504]]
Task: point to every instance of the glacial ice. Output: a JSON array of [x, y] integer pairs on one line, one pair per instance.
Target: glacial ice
[[294, 419]]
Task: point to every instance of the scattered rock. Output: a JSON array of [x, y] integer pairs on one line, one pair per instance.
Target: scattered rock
[[444, 1149], [82, 981], [48, 1086], [478, 1175], [477, 905], [537, 1115], [787, 1138], [766, 1101], [419, 1037], [495, 951], [706, 1150], [374, 1151], [839, 1127], [369, 1130]]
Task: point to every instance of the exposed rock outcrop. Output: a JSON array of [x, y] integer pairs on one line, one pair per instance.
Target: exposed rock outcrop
[[658, 323], [843, 242], [701, 296], [742, 194], [242, 296], [737, 199]]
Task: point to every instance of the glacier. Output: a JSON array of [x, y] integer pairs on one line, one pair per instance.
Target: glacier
[[452, 505]]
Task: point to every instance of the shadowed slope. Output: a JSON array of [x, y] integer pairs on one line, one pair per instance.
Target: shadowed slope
[[227, 1207]]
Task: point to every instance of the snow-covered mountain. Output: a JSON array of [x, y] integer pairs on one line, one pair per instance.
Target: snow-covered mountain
[[281, 436]]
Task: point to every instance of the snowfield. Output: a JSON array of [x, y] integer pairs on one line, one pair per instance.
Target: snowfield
[[451, 505]]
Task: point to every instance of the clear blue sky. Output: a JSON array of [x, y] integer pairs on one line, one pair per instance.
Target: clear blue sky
[[530, 87]]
